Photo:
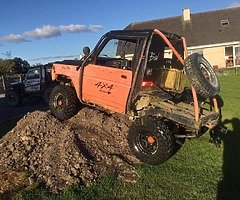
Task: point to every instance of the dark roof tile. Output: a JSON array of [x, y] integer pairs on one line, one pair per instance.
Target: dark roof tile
[[203, 28]]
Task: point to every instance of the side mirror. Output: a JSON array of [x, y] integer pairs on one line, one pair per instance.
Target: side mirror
[[86, 51]]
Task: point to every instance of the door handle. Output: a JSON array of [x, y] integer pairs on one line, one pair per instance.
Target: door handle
[[124, 76]]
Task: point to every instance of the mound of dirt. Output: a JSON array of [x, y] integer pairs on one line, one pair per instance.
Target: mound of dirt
[[80, 150]]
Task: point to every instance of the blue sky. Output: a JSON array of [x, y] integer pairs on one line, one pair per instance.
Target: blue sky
[[47, 30]]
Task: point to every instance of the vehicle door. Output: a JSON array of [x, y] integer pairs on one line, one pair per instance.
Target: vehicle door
[[107, 79], [32, 81]]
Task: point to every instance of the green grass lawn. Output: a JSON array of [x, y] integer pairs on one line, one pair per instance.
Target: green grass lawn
[[199, 170]]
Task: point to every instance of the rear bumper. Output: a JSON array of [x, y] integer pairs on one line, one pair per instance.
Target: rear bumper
[[211, 120], [183, 116]]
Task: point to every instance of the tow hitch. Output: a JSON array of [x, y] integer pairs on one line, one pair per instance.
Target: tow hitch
[[217, 134]]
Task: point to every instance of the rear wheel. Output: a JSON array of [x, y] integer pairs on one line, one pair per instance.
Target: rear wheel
[[63, 102], [13, 98], [150, 140]]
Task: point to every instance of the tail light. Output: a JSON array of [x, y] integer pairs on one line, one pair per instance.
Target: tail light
[[147, 84]]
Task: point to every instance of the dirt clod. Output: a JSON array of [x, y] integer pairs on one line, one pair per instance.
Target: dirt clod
[[90, 144]]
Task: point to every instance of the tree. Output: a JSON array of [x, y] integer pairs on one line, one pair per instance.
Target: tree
[[13, 66], [20, 66], [6, 66]]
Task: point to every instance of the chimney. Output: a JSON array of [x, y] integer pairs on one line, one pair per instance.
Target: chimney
[[186, 14]]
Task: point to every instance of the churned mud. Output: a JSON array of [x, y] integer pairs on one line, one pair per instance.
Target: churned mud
[[77, 151]]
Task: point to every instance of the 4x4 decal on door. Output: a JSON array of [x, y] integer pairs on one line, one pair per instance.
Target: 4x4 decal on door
[[104, 87]]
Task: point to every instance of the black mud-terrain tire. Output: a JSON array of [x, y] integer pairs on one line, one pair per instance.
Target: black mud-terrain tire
[[13, 98], [202, 75], [63, 102], [150, 140]]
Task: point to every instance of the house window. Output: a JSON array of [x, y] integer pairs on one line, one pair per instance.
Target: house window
[[229, 56], [232, 56], [237, 56], [224, 22]]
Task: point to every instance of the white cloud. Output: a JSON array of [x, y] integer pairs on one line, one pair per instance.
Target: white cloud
[[74, 28], [80, 28], [234, 5], [13, 38], [44, 32], [49, 32], [95, 28]]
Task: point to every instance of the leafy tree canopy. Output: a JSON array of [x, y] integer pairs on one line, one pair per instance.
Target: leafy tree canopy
[[13, 66]]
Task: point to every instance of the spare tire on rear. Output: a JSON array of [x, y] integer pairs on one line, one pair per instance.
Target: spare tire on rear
[[202, 75]]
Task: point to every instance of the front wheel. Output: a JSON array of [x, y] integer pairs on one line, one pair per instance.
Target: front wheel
[[150, 140], [63, 102], [13, 98]]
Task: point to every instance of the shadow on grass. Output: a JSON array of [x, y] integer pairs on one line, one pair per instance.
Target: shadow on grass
[[229, 187]]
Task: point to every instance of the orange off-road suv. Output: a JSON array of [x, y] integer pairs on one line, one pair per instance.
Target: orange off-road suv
[[142, 74]]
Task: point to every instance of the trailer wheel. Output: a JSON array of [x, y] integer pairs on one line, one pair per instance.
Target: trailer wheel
[[202, 75], [13, 98], [63, 102], [150, 140]]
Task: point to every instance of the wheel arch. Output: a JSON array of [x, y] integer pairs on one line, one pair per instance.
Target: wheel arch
[[66, 80]]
